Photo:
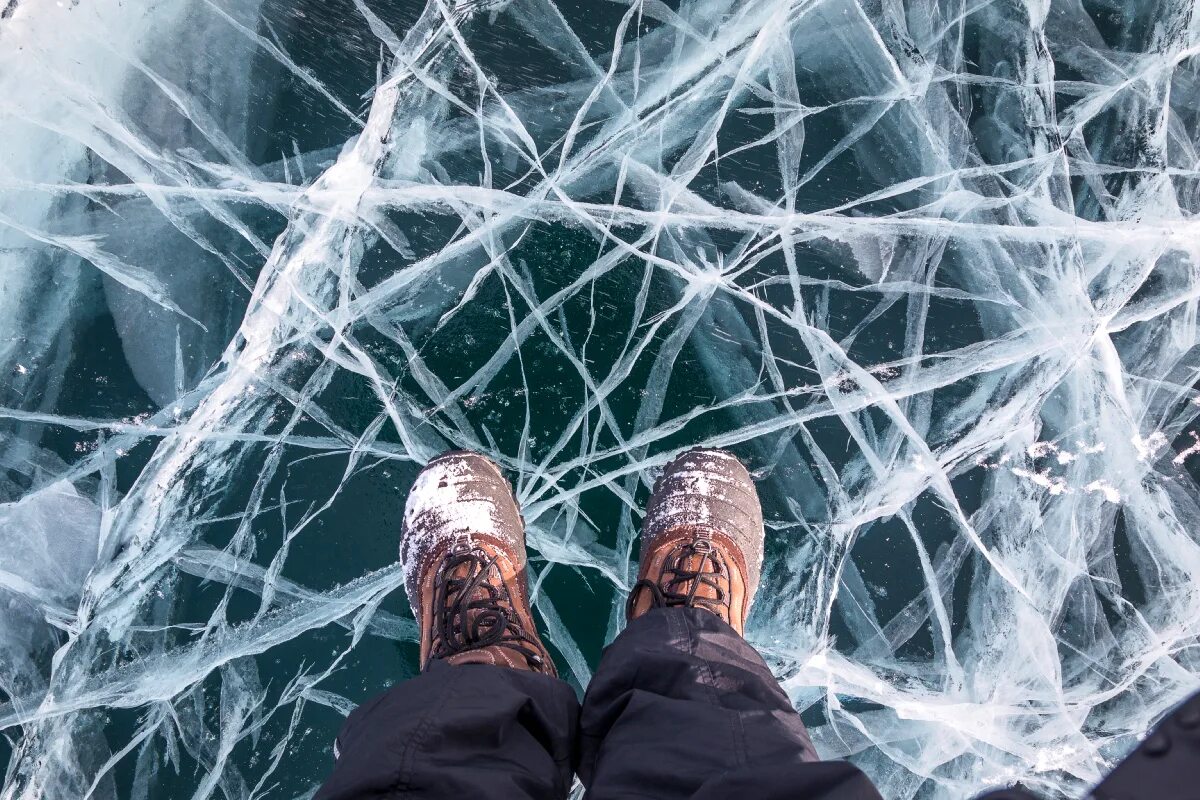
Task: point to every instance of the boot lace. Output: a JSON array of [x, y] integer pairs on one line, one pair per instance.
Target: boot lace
[[474, 610], [681, 578]]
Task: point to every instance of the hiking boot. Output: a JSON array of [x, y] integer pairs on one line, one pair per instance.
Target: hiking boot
[[702, 539], [463, 551]]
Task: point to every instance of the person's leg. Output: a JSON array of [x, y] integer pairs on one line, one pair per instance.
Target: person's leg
[[488, 717], [464, 731], [1164, 766], [681, 705]]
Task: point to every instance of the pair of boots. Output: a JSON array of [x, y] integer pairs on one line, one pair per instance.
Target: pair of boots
[[463, 550]]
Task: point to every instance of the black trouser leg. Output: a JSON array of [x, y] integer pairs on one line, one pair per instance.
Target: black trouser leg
[[459, 732], [682, 707], [1165, 766]]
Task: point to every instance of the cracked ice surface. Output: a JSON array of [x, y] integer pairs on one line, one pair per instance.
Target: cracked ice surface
[[931, 268]]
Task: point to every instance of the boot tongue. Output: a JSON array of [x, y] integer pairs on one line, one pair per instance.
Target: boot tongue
[[480, 611], [489, 592], [706, 564], [712, 577]]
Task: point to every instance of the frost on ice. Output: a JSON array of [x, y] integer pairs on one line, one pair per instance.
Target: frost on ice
[[931, 268]]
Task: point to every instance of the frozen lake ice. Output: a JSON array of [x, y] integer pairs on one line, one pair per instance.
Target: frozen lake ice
[[931, 268]]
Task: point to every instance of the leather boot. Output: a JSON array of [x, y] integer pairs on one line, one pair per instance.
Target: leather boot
[[702, 539], [463, 551]]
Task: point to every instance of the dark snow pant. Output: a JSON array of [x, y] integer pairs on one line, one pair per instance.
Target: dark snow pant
[[1165, 765], [681, 707]]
